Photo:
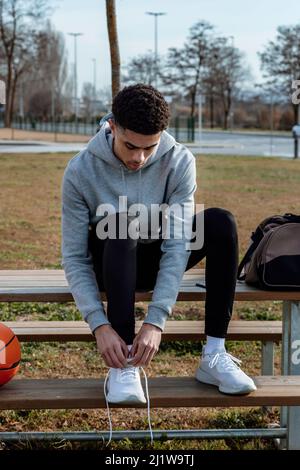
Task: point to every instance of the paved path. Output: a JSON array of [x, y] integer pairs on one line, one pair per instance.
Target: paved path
[[225, 143], [266, 145]]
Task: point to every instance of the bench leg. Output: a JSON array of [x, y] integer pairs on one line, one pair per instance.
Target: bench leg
[[267, 364], [267, 358], [284, 362], [290, 416]]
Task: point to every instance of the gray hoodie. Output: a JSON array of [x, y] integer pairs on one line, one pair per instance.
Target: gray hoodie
[[96, 176]]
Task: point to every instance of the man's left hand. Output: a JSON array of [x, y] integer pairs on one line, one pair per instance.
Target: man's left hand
[[145, 345]]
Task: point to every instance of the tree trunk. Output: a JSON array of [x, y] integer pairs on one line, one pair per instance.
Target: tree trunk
[[7, 115], [114, 46], [211, 110], [225, 124], [229, 103], [295, 109], [227, 107], [12, 98], [193, 102]]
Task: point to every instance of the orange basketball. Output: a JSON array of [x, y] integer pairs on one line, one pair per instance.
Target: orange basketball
[[10, 354]]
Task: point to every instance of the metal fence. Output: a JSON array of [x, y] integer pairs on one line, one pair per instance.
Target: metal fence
[[182, 128]]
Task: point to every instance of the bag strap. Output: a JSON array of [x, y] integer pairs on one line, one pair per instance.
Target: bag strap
[[256, 238], [292, 217], [244, 261]]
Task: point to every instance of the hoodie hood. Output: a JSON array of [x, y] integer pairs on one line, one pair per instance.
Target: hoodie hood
[[101, 147]]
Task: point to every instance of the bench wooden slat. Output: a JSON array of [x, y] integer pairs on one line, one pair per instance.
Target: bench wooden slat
[[49, 273], [174, 330], [51, 286], [163, 392]]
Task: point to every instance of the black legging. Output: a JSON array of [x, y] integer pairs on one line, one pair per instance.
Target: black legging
[[123, 266]]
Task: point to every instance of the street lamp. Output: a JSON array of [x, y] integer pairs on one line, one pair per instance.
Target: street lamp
[[200, 102], [232, 68], [75, 35], [94, 85], [94, 76], [156, 14]]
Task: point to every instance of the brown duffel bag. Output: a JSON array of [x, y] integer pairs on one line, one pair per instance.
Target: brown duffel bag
[[272, 260]]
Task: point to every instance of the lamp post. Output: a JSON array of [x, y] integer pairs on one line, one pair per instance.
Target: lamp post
[[156, 14], [232, 71], [75, 36], [200, 101], [94, 85], [94, 76]]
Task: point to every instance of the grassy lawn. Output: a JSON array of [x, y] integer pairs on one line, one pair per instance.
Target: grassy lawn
[[251, 188]]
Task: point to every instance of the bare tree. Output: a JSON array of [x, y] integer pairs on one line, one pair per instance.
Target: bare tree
[[205, 65], [210, 80], [88, 99], [141, 69], [52, 66], [185, 66], [67, 96], [48, 74], [105, 97], [19, 22], [280, 62], [228, 71], [114, 46]]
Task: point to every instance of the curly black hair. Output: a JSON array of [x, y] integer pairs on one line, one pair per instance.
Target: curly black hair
[[141, 108]]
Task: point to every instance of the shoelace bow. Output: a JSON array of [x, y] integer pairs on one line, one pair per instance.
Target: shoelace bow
[[131, 371], [227, 361]]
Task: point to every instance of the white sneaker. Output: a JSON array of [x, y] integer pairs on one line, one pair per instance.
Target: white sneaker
[[219, 368], [124, 385]]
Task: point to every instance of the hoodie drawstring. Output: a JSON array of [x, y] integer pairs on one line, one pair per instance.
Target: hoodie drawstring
[[139, 185], [123, 181]]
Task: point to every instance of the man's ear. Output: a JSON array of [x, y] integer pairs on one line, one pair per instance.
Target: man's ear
[[112, 125]]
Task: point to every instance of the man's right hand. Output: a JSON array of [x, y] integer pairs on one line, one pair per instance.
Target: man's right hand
[[111, 346]]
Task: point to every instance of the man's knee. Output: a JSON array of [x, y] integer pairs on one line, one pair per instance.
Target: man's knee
[[218, 221]]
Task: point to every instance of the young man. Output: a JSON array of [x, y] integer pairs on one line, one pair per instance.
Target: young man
[[133, 156]]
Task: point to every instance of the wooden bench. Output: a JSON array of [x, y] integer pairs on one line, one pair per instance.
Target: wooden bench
[[175, 330], [51, 286], [164, 392], [267, 332]]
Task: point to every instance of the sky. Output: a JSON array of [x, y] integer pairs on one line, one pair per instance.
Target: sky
[[251, 23]]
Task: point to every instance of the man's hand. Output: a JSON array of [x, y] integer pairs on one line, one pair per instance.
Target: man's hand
[[111, 346], [145, 345]]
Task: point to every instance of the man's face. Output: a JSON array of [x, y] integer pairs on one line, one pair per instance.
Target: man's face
[[131, 148]]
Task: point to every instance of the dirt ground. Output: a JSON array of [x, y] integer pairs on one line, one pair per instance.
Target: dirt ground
[[18, 134]]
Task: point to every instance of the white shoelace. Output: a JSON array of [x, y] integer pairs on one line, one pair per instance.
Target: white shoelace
[[227, 361], [132, 371]]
